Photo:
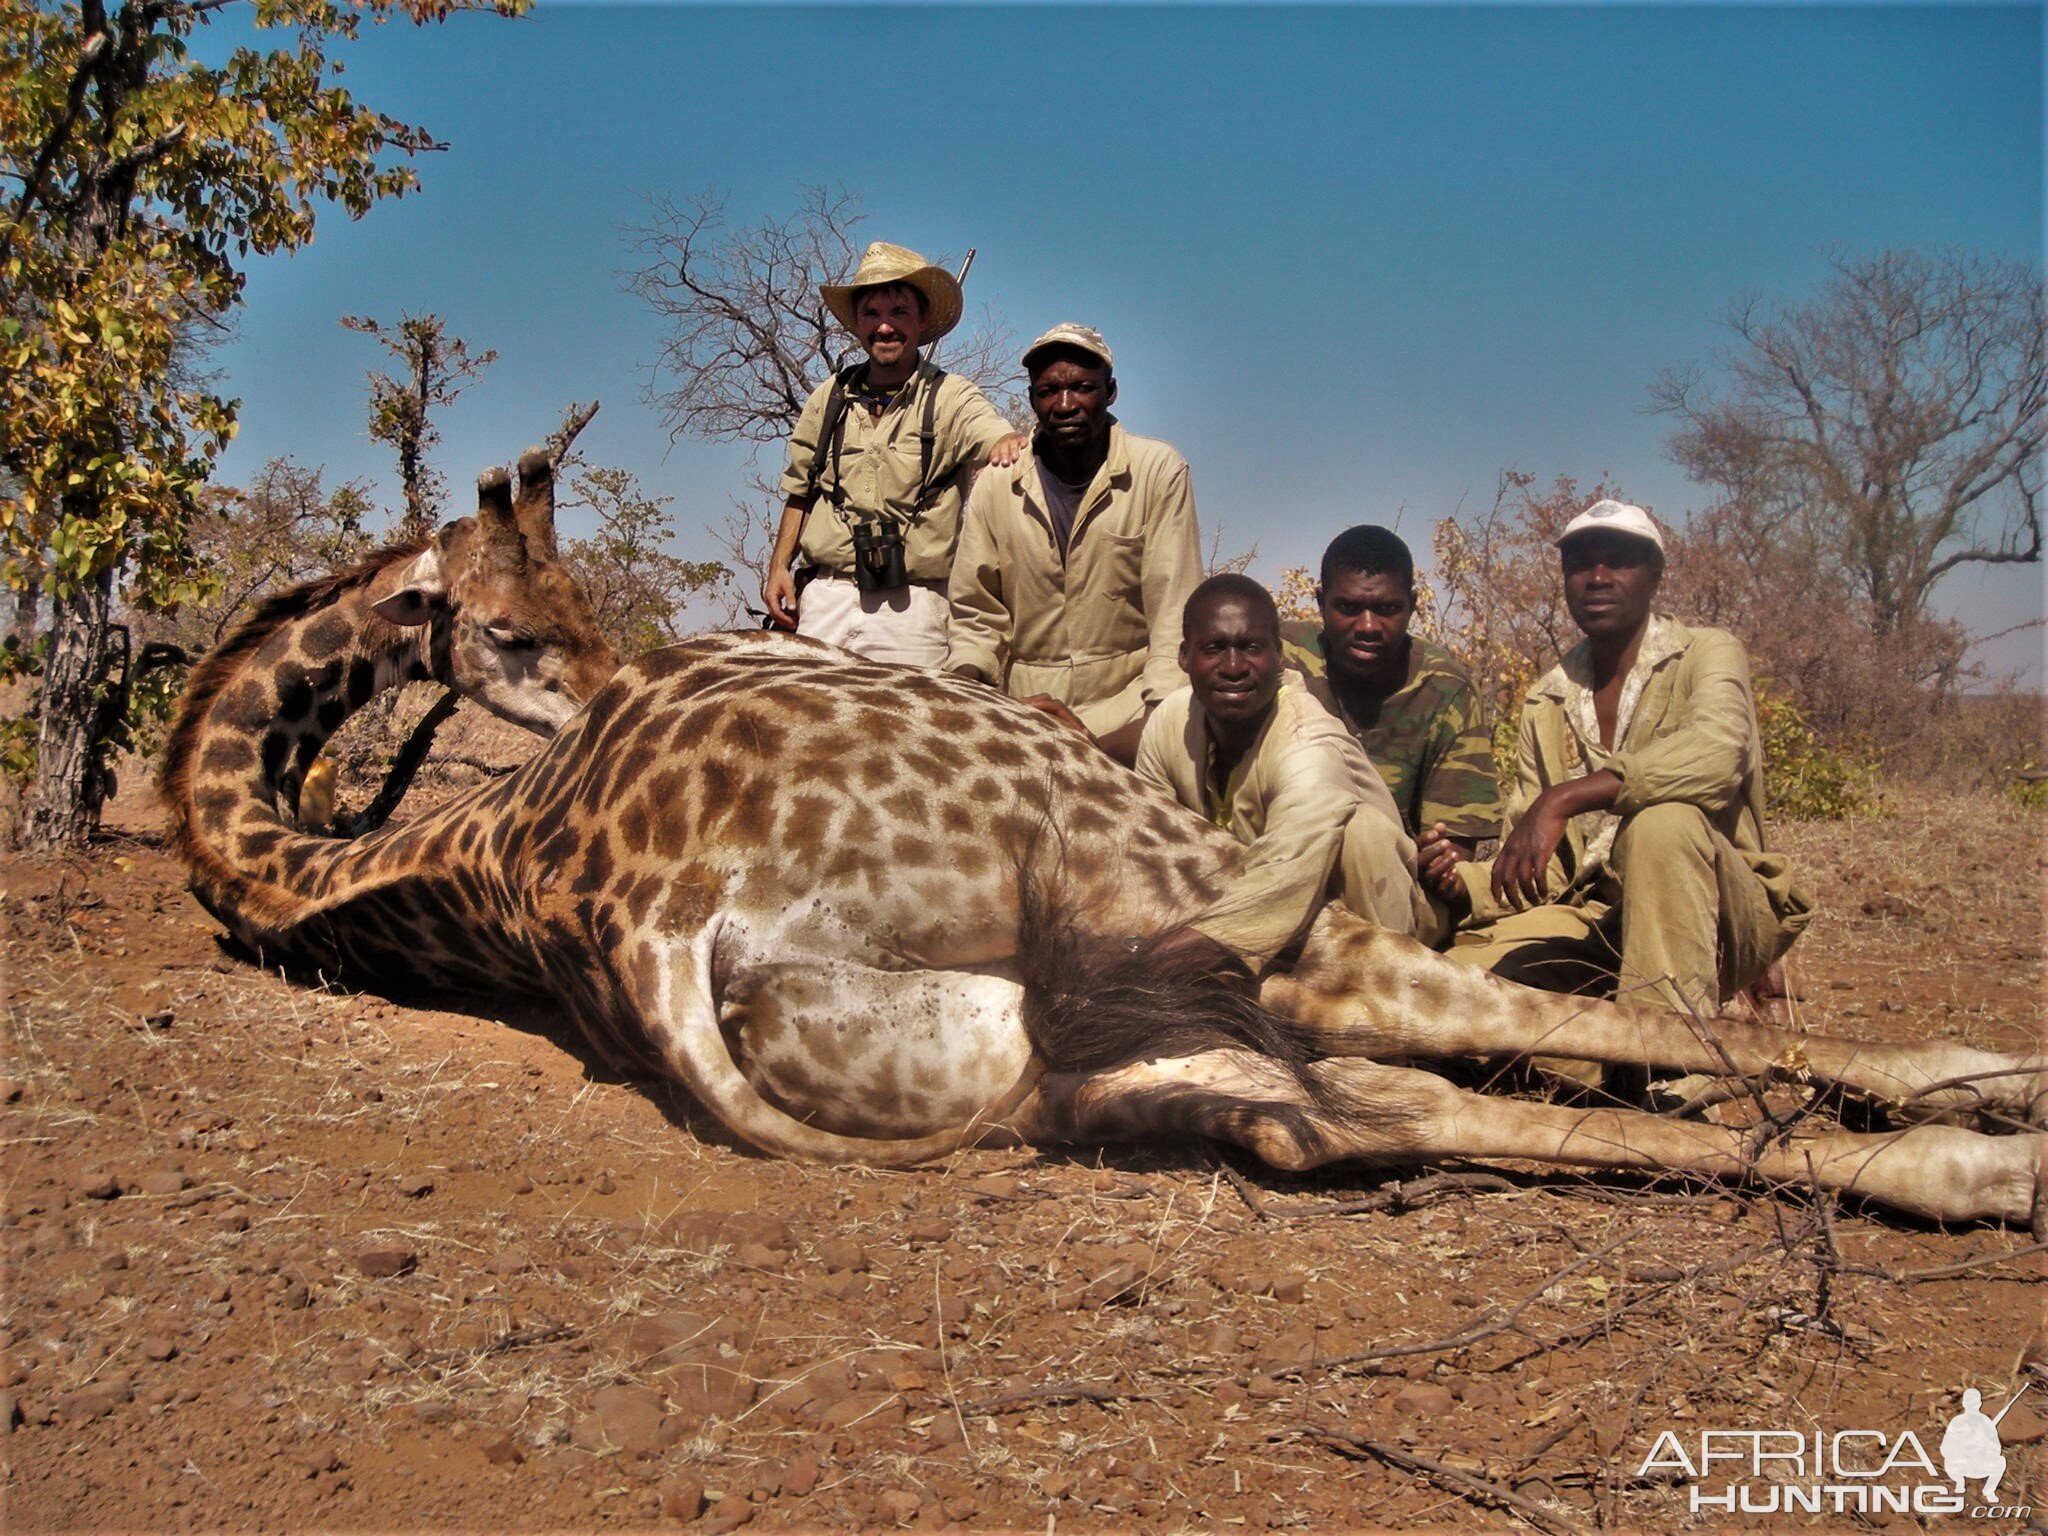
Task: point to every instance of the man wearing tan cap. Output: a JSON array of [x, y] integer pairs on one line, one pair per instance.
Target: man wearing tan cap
[[1074, 563], [878, 468], [1633, 857]]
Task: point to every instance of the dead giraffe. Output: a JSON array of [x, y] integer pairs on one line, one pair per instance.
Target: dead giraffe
[[869, 914]]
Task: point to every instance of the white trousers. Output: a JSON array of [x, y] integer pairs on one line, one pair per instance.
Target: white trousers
[[906, 626]]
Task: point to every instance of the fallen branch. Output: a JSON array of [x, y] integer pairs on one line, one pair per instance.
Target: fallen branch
[[1498, 1322], [1467, 1485], [1394, 1197], [404, 767]]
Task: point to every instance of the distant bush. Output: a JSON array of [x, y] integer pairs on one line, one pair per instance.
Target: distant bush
[[1806, 777]]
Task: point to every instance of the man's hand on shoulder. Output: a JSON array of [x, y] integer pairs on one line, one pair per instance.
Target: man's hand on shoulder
[[1047, 704], [1007, 450]]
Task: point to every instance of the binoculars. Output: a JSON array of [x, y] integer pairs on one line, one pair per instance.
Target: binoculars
[[878, 557]]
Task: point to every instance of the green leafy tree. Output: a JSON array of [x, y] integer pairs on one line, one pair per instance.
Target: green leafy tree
[[135, 184], [640, 591], [286, 527], [434, 368]]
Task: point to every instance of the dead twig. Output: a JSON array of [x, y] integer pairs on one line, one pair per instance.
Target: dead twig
[[1498, 1322], [1399, 1197], [1467, 1485], [404, 767], [546, 1334], [1943, 1271], [1245, 1192], [1058, 1392]]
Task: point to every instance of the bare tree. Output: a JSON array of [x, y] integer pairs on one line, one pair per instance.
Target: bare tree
[[745, 338], [435, 367], [1892, 427]]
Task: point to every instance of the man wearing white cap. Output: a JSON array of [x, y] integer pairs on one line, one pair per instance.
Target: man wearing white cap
[[1075, 563], [1633, 855], [879, 466]]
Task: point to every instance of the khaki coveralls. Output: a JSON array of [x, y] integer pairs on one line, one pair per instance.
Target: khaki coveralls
[[1097, 628], [1307, 801], [1672, 890]]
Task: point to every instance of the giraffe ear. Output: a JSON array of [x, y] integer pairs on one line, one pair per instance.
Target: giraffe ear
[[421, 592]]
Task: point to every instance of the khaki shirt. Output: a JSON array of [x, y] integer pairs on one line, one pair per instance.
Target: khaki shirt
[[1098, 629], [1290, 797], [880, 462], [1428, 738], [1691, 737]]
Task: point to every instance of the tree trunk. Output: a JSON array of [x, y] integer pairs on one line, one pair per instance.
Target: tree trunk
[[58, 811]]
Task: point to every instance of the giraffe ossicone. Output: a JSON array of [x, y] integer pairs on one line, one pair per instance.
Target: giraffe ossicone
[[870, 914]]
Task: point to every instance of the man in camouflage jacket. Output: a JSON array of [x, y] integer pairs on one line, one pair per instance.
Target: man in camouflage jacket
[[1412, 707]]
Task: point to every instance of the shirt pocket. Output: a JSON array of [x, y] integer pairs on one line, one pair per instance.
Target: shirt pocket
[[1119, 561]]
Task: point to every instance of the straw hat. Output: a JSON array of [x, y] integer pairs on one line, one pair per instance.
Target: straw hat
[[883, 263]]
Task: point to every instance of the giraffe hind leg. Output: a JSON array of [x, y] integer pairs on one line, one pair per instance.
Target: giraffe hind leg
[[1361, 1112]]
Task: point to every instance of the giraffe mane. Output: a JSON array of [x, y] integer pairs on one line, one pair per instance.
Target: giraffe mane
[[221, 666]]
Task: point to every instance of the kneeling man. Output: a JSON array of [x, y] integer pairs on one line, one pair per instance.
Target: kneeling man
[[1259, 757], [1634, 854]]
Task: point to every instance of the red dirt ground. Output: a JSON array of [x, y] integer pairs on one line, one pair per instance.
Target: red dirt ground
[[284, 1259]]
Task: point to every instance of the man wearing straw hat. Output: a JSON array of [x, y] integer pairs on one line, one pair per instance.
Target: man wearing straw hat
[[879, 465], [1633, 852], [1075, 563]]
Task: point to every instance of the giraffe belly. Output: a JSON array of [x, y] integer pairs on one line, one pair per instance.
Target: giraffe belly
[[884, 1054]]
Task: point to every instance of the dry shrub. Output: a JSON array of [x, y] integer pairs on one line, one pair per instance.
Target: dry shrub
[[1500, 606], [1835, 706]]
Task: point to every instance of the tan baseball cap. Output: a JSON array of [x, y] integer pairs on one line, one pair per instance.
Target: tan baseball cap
[[1615, 517], [882, 264], [1083, 338]]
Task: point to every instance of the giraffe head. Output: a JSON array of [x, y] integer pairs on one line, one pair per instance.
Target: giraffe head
[[513, 630]]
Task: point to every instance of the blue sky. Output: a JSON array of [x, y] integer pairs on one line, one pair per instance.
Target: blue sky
[[1354, 261]]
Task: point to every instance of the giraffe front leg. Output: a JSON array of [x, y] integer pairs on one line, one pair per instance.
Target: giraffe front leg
[[1360, 992]]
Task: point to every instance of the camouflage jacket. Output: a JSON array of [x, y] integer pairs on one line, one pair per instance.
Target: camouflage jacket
[[1428, 738]]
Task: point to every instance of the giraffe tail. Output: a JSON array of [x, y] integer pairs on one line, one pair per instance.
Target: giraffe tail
[[693, 1047]]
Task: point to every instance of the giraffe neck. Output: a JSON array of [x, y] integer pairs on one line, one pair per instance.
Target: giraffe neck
[[257, 713]]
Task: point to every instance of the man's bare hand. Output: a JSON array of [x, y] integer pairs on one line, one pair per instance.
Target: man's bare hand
[[1521, 870], [1437, 859], [1007, 450], [1046, 703], [779, 593]]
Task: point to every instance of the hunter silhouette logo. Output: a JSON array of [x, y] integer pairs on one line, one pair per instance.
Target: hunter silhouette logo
[[1848, 1471], [1970, 1447]]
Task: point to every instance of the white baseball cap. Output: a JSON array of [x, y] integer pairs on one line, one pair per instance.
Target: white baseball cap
[[1615, 517]]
